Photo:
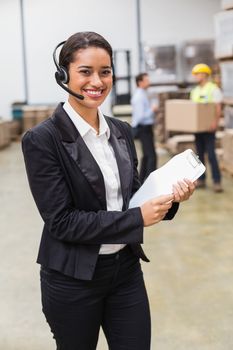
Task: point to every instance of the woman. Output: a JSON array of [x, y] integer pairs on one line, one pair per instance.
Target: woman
[[82, 170]]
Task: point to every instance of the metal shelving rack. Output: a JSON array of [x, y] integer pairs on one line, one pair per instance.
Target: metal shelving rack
[[119, 98]]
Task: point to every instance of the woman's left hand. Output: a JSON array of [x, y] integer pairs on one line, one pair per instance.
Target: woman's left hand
[[183, 190]]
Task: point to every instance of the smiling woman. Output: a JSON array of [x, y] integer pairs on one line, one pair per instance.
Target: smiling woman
[[85, 65], [90, 75], [82, 171]]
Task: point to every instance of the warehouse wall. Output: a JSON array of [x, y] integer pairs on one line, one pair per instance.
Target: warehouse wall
[[10, 56], [170, 22], [49, 22], [46, 24], [112, 19]]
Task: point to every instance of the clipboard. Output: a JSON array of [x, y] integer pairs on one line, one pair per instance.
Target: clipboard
[[183, 165]]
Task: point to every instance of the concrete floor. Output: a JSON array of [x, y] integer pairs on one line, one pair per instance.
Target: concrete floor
[[189, 278]]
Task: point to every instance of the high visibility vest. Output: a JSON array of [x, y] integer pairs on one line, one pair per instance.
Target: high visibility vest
[[203, 94]]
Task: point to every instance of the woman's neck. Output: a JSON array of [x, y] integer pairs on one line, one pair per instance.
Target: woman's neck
[[90, 115]]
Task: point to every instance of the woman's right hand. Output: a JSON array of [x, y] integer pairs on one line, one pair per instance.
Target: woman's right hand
[[154, 210]]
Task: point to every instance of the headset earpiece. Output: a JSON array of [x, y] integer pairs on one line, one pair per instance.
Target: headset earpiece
[[63, 75]]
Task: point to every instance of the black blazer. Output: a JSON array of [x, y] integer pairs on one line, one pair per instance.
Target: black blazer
[[68, 188]]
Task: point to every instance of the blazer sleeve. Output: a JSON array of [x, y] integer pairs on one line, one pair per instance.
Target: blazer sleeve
[[53, 198]]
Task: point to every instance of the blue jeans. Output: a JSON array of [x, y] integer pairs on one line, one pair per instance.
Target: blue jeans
[[205, 143]]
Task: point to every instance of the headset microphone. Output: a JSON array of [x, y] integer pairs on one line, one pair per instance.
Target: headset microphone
[[81, 97], [62, 76]]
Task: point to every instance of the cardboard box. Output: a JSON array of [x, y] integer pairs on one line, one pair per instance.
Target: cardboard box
[[226, 163], [33, 115], [227, 145], [5, 139], [15, 127], [188, 116]]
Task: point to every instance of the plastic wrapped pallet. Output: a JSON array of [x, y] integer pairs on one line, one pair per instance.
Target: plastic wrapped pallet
[[224, 34], [228, 117], [226, 68]]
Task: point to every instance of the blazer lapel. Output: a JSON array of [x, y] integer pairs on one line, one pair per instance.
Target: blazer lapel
[[79, 152], [125, 167]]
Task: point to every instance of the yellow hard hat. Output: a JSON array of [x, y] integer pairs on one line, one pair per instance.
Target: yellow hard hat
[[201, 68]]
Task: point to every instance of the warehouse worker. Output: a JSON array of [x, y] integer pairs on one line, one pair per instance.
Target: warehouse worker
[[207, 92], [143, 119]]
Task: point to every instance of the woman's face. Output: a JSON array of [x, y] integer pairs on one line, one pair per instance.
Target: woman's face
[[91, 76]]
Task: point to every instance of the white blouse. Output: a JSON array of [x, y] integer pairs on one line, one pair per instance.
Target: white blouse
[[102, 151]]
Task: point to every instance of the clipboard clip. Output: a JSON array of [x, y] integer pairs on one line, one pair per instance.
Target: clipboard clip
[[193, 159]]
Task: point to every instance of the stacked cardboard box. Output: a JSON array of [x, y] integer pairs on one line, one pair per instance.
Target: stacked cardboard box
[[160, 128], [33, 115], [227, 145], [183, 118], [188, 116], [29, 117], [5, 139], [15, 128]]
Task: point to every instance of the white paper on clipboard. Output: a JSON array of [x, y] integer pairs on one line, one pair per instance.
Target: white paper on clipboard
[[159, 182]]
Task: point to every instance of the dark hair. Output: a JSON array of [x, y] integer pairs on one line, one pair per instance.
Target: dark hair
[[140, 77], [82, 40]]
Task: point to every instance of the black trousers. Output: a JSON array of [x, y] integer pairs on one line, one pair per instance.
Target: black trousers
[[115, 300], [205, 143], [149, 157]]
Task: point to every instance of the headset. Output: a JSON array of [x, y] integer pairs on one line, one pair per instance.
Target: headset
[[62, 76]]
